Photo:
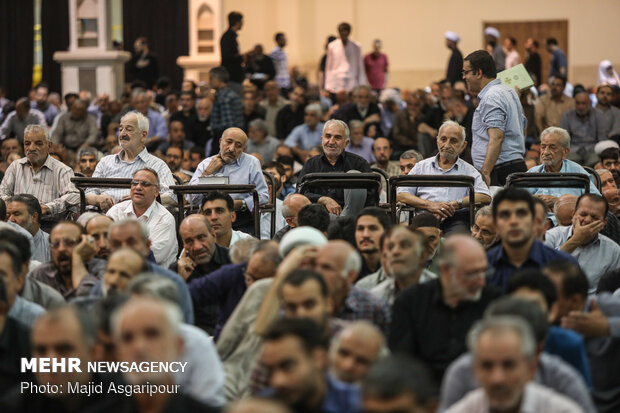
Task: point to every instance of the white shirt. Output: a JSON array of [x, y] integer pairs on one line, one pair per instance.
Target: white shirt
[[265, 221], [344, 67], [160, 225], [236, 236]]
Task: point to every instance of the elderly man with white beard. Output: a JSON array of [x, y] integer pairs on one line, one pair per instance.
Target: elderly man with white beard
[[446, 203]]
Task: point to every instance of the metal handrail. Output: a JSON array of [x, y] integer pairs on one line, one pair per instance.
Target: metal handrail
[[364, 180], [432, 181], [386, 177], [81, 183], [271, 207], [596, 176], [548, 180]]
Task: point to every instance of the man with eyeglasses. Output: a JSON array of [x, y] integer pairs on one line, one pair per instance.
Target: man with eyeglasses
[[144, 207], [431, 319], [59, 272], [513, 214]]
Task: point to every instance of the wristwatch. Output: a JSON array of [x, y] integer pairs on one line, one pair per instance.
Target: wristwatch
[[244, 206], [459, 202]]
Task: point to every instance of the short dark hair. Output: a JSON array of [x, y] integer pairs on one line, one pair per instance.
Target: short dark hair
[[75, 224], [552, 41], [538, 201], [399, 374], [609, 282], [274, 165], [513, 41], [18, 240], [214, 195], [234, 17], [32, 204], [574, 280], [71, 95], [305, 330], [299, 277], [610, 153], [343, 228], [344, 26], [425, 219], [286, 160], [14, 254], [3, 297], [378, 213], [482, 60], [149, 170], [314, 215], [2, 210], [278, 36], [220, 73], [594, 198], [533, 279], [514, 195], [532, 314], [562, 78], [535, 43], [197, 149], [189, 93]]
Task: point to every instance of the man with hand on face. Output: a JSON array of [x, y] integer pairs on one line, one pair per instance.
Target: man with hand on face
[[132, 137], [240, 168], [594, 252], [370, 225], [25, 211], [97, 227], [343, 202], [446, 203], [144, 207]]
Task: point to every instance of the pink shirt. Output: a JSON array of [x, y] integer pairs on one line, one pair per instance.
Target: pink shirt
[[375, 70]]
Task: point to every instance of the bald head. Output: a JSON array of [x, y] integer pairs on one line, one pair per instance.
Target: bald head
[[464, 248], [291, 206], [356, 349], [564, 209], [339, 264], [232, 144]]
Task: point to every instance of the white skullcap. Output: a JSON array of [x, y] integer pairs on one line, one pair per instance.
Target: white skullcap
[[492, 31], [606, 144], [452, 36], [301, 236]]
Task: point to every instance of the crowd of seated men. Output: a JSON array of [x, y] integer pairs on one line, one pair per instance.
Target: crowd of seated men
[[343, 307]]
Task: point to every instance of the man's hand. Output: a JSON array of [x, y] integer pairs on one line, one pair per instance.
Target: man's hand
[[105, 202], [45, 210], [486, 176], [441, 209], [582, 235], [186, 265], [332, 206], [549, 200], [372, 119], [86, 249], [592, 324], [215, 165], [300, 257]]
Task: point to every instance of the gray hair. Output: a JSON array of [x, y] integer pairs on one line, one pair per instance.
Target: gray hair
[[141, 120], [485, 211], [451, 123], [89, 150], [270, 250], [364, 327], [602, 171], [339, 123], [87, 216], [137, 92], [240, 251], [38, 129], [150, 284], [503, 323], [412, 154], [85, 320], [357, 89], [354, 124], [150, 170], [144, 232], [314, 107], [352, 263], [259, 124], [560, 132], [172, 313]]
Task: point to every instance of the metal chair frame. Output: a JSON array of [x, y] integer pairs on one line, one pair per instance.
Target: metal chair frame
[[548, 180]]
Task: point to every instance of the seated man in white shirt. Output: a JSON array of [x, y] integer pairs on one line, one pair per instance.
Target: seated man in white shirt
[[25, 211], [444, 202], [144, 207], [218, 207], [132, 138]]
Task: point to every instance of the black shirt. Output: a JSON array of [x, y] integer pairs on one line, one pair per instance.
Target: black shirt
[[14, 344], [424, 327], [206, 316], [286, 120], [231, 58], [533, 65], [350, 112], [455, 67], [346, 162], [195, 131]]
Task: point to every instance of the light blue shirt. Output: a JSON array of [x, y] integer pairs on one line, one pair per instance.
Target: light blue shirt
[[245, 170], [157, 125], [41, 251], [364, 150], [595, 259], [499, 108], [302, 137], [25, 311], [430, 166], [567, 167]]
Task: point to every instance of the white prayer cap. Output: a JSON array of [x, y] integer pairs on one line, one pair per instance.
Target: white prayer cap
[[301, 236], [606, 144], [492, 31], [452, 36]]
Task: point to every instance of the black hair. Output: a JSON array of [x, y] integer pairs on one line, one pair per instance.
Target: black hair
[[104, 309], [552, 41], [514, 195], [234, 17], [574, 280], [562, 78], [344, 26], [609, 282], [425, 219], [221, 73], [343, 228], [305, 330], [396, 375], [274, 165], [191, 94], [534, 280], [532, 314], [163, 82], [14, 254], [482, 60], [610, 153], [535, 43], [2, 210], [314, 215], [71, 95], [32, 204], [197, 149], [378, 213], [278, 36], [299, 277], [593, 198], [214, 195], [3, 296], [513, 41], [286, 160], [18, 240]]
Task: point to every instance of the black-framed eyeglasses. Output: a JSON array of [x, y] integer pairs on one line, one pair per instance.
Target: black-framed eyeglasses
[[68, 242], [464, 72], [145, 184]]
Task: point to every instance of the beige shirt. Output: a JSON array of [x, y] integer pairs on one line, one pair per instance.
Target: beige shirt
[[549, 112]]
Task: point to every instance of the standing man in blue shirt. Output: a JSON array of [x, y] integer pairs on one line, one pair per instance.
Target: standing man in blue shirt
[[558, 65], [498, 144], [513, 214]]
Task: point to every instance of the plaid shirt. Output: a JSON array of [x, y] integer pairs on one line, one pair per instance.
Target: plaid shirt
[[227, 110], [362, 305]]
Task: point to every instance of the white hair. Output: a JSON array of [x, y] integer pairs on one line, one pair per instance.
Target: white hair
[[172, 313], [503, 323], [339, 123], [561, 133], [38, 129], [314, 107], [352, 263], [451, 123], [141, 120]]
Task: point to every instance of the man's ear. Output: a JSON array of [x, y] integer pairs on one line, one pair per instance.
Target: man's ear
[[233, 216], [463, 147]]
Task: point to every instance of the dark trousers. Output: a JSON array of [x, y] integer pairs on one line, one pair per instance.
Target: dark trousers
[[457, 222], [245, 223], [502, 170]]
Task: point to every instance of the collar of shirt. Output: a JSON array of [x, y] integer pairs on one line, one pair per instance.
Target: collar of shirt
[[49, 162], [487, 87], [595, 241], [142, 155], [130, 213], [340, 159], [536, 254], [435, 163]]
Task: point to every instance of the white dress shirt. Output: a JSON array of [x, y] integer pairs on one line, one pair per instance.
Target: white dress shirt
[[160, 225]]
